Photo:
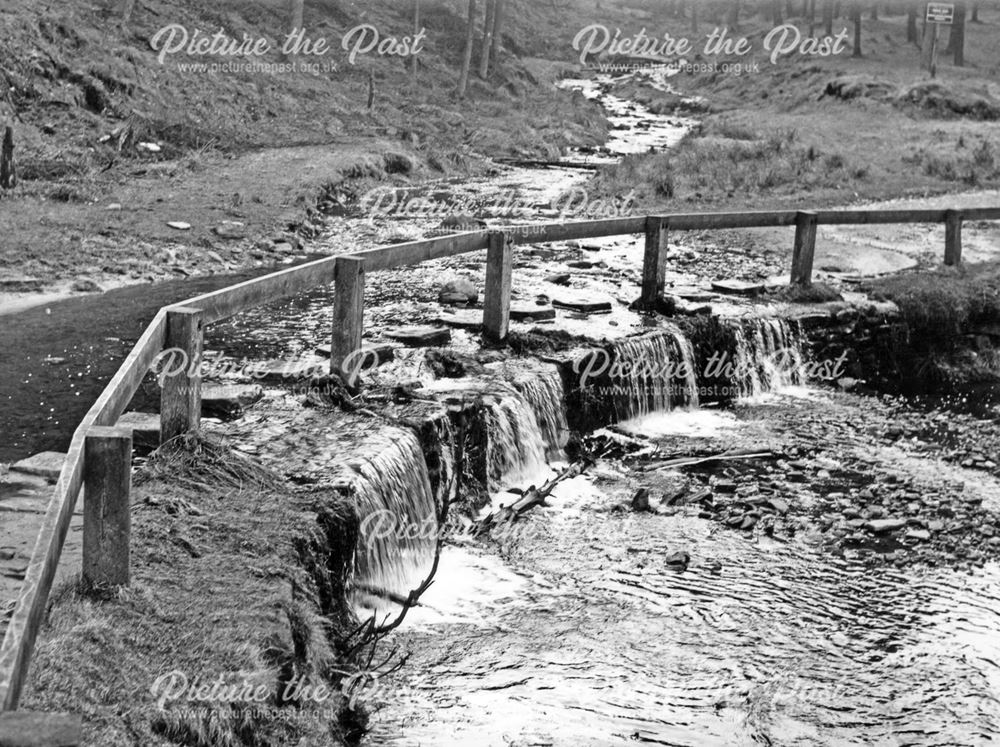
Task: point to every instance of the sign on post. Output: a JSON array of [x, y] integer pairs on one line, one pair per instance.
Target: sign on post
[[938, 15]]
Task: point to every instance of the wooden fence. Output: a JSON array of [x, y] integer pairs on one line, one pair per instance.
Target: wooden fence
[[99, 455]]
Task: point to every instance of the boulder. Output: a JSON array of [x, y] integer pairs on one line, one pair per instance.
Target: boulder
[[458, 292]]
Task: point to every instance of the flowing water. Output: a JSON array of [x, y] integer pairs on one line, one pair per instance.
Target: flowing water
[[588, 635], [579, 631]]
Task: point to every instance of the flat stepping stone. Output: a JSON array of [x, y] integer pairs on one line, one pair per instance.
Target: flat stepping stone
[[291, 370], [421, 337], [471, 319], [582, 305], [692, 294], [20, 284], [145, 427], [47, 464], [737, 287], [384, 352], [227, 401], [531, 313]]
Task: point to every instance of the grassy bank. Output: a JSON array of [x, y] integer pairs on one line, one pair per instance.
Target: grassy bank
[[235, 579], [830, 130]]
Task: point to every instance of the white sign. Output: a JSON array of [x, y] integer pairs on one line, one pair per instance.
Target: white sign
[[941, 13]]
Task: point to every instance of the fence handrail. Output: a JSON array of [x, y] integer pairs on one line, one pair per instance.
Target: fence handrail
[[22, 629]]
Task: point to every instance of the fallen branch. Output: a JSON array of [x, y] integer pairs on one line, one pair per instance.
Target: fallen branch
[[532, 497], [726, 456]]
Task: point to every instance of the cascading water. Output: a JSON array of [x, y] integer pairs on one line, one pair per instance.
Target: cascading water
[[398, 512], [652, 373], [546, 397], [768, 356]]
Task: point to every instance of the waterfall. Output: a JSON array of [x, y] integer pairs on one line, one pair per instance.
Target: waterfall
[[768, 356], [546, 397], [652, 373], [391, 485]]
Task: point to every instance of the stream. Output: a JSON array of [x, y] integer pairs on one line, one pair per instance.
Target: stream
[[590, 622]]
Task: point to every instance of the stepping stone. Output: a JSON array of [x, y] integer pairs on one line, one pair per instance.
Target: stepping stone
[[385, 352], [20, 284], [471, 319], [47, 464], [525, 313], [145, 428], [420, 337], [179, 225], [692, 294], [582, 305], [562, 278], [280, 371], [227, 401], [737, 287]]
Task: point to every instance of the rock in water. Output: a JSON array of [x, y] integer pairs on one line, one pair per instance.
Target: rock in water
[[459, 291], [640, 501], [678, 560], [881, 526], [419, 337]]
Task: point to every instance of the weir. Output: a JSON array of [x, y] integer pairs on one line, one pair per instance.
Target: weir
[[525, 420]]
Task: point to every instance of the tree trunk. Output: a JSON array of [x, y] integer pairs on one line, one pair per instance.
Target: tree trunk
[[911, 24], [694, 18], [8, 171], [733, 20], [856, 15], [975, 13], [296, 9], [416, 30], [487, 44], [470, 37], [956, 40], [828, 16], [874, 11], [495, 35]]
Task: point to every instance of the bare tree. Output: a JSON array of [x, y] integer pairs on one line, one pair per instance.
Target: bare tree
[[470, 37], [956, 39], [911, 23], [828, 16], [416, 30], [485, 47], [855, 14], [495, 35]]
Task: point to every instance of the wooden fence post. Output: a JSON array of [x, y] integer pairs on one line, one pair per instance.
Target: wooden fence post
[[654, 261], [805, 247], [496, 301], [8, 171], [107, 522], [348, 312], [953, 237], [180, 396]]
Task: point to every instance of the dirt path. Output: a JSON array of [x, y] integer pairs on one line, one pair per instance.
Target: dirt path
[[242, 211]]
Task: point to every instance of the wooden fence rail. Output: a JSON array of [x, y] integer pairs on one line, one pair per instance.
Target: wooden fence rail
[[99, 456]]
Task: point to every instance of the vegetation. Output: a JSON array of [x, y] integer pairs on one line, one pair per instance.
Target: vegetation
[[942, 305]]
